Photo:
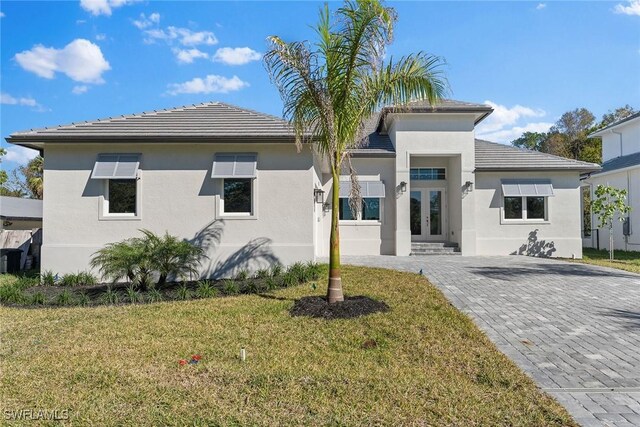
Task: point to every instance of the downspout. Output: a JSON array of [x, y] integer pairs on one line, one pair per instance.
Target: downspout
[[626, 238], [620, 135]]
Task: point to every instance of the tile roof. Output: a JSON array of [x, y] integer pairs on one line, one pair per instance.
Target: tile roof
[[500, 157], [375, 143], [621, 162], [207, 120], [19, 208]]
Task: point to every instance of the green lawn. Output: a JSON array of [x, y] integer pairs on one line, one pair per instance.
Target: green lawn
[[117, 365], [624, 260]]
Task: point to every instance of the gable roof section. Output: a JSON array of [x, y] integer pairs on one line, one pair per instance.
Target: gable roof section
[[621, 162], [375, 143], [491, 156], [211, 120], [615, 125], [19, 208]]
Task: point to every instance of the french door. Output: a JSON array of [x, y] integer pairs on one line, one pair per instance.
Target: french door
[[428, 214]]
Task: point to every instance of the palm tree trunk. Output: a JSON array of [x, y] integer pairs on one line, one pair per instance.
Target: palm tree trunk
[[334, 290]]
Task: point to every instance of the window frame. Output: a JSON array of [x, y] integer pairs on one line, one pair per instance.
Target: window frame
[[103, 211], [358, 219], [525, 219], [239, 215], [428, 167]]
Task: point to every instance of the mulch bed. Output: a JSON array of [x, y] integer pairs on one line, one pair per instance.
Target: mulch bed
[[350, 308]]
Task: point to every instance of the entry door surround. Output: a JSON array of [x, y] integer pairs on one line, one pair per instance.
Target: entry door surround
[[428, 214]]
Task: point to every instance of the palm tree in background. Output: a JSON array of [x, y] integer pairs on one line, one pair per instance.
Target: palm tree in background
[[331, 87], [33, 172]]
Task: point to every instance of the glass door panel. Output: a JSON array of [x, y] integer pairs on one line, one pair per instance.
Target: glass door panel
[[435, 212], [416, 213]]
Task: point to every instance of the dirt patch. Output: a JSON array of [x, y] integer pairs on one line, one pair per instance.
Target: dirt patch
[[350, 308]]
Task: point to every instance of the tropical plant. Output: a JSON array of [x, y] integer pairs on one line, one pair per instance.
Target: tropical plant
[[83, 299], [610, 203], [125, 259], [170, 256], [33, 173], [332, 87], [205, 289], [132, 294], [37, 298], [12, 294], [48, 278], [230, 287], [183, 292], [242, 275], [154, 295], [276, 270], [110, 296], [65, 297]]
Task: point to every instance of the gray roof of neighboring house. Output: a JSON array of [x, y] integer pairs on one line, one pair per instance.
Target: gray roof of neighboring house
[[196, 122], [491, 156], [615, 124], [19, 208], [621, 162]]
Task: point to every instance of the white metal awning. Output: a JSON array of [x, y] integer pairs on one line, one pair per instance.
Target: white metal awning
[[530, 188], [116, 166], [368, 189], [234, 165]]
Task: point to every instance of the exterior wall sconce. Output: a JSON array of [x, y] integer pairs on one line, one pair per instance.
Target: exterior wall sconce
[[403, 187], [318, 195], [468, 186]]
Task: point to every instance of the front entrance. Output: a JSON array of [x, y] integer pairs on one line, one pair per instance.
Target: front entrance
[[428, 215]]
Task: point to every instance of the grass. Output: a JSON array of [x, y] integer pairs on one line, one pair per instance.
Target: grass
[[421, 363], [624, 260]]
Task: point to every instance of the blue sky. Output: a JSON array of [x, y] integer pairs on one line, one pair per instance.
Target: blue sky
[[80, 60]]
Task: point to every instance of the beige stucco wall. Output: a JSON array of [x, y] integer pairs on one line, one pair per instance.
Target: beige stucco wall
[[561, 232], [447, 135], [629, 180], [178, 195], [364, 237]]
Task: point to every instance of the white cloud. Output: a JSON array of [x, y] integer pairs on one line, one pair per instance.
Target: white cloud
[[19, 155], [506, 124], [184, 36], [146, 22], [5, 98], [505, 136], [633, 8], [236, 55], [103, 7], [101, 37], [186, 56], [80, 60], [2, 15], [210, 84], [541, 6], [80, 89]]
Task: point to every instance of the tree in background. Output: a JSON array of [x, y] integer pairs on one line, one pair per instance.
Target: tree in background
[[26, 181], [610, 203], [569, 136], [332, 86], [32, 174]]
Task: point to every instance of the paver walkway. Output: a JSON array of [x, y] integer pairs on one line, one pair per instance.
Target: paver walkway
[[574, 328]]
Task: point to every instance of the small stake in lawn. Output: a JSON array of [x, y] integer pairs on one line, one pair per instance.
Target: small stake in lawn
[[243, 355], [610, 202]]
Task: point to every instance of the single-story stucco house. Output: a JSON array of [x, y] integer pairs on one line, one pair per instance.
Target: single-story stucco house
[[620, 169], [231, 178]]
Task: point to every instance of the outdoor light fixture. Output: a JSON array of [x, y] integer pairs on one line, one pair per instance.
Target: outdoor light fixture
[[403, 186], [469, 186], [318, 195]]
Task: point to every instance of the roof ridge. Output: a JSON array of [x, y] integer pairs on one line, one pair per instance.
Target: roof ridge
[[527, 150], [254, 112]]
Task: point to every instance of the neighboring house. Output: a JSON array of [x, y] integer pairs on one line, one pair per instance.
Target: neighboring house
[[17, 213], [620, 169], [232, 179]]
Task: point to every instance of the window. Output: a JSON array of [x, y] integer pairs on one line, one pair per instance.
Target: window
[[370, 210], [427, 174], [121, 196], [525, 208], [237, 196]]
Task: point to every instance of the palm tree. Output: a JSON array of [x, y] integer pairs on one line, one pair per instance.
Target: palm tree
[[329, 88]]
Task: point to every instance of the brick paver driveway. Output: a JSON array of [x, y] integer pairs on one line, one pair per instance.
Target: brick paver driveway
[[574, 328]]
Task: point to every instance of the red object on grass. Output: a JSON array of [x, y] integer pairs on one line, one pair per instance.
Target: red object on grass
[[196, 357], [182, 362]]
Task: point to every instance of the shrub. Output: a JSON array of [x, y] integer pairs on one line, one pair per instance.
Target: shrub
[[64, 298], [263, 273], [299, 272], [254, 287], [205, 289], [242, 275], [314, 270], [154, 295], [83, 299], [110, 296], [230, 287], [137, 258], [12, 294], [37, 298], [289, 279], [86, 278], [272, 283], [48, 278], [24, 282], [183, 292], [276, 270], [133, 295]]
